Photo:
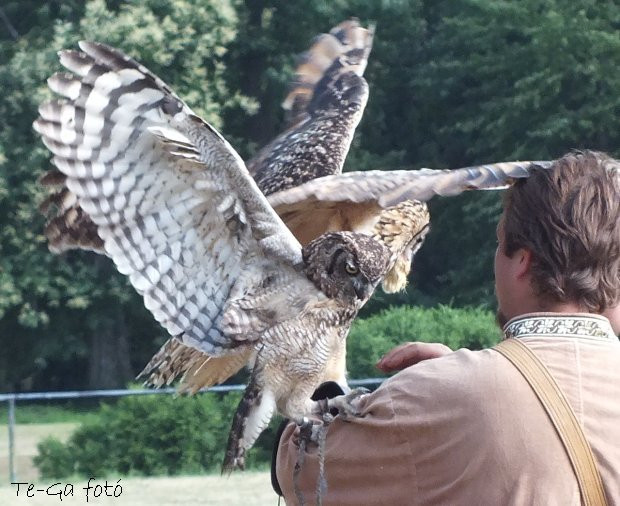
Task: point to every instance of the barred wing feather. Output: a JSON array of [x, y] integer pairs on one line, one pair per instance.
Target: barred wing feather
[[354, 200], [172, 202]]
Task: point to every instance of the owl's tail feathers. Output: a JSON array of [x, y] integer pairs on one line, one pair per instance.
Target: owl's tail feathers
[[198, 369], [253, 415]]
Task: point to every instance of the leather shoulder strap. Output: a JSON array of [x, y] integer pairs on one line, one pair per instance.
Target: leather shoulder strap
[[562, 417]]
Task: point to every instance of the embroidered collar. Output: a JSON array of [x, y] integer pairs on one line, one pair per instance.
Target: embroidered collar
[[559, 325]]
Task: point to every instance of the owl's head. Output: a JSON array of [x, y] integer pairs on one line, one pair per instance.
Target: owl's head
[[346, 265]]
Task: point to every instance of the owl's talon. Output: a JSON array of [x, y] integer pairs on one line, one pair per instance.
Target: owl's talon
[[305, 429], [348, 404]]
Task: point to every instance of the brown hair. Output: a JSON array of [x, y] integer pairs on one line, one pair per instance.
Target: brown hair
[[568, 216]]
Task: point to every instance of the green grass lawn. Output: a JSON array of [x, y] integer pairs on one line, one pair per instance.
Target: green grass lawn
[[40, 412], [36, 422]]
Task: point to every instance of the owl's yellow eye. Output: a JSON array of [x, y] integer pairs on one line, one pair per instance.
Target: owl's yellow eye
[[350, 268]]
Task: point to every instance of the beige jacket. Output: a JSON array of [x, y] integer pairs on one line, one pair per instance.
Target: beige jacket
[[466, 429]]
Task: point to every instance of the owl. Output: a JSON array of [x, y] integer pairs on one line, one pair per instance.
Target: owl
[[177, 211], [325, 104], [146, 182]]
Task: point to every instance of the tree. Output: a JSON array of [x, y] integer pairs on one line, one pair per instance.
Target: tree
[[79, 297], [508, 80]]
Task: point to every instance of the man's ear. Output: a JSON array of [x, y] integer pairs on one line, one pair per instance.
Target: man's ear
[[524, 263]]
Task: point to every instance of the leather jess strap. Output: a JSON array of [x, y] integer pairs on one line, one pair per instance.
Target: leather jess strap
[[562, 417]]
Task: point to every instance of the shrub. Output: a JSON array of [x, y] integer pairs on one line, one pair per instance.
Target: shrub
[[54, 459], [371, 337]]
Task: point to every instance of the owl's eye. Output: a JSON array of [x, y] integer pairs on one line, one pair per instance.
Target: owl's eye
[[351, 268]]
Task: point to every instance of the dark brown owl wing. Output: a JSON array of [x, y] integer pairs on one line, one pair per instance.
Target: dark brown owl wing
[[326, 102], [354, 200], [345, 48], [171, 201]]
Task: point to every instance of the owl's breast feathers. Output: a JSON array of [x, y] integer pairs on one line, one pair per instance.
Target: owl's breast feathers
[[280, 323]]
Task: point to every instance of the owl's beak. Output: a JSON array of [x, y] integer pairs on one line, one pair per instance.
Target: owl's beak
[[363, 289]]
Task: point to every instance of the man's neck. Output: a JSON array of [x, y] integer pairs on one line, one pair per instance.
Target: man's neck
[[559, 307], [534, 305]]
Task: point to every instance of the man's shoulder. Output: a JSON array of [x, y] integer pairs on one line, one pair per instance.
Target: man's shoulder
[[458, 376], [453, 366]]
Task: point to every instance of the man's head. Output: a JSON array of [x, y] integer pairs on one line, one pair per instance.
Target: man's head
[[559, 239]]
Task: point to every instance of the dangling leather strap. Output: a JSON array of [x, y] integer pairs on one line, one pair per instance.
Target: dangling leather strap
[[562, 416]]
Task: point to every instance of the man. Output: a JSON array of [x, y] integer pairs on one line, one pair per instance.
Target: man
[[466, 428]]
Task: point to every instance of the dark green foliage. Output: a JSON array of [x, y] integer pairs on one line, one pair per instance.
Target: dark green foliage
[[54, 459], [372, 337], [525, 79]]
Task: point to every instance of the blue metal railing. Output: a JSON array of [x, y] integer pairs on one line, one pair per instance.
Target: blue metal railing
[[12, 399]]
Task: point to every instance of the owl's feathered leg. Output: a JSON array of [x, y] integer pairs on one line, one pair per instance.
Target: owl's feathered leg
[[252, 416]]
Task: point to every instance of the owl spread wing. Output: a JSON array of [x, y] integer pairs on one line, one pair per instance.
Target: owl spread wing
[[326, 102], [169, 199], [355, 200]]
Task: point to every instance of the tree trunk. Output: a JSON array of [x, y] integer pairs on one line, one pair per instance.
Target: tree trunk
[[262, 126], [109, 365], [109, 362]]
